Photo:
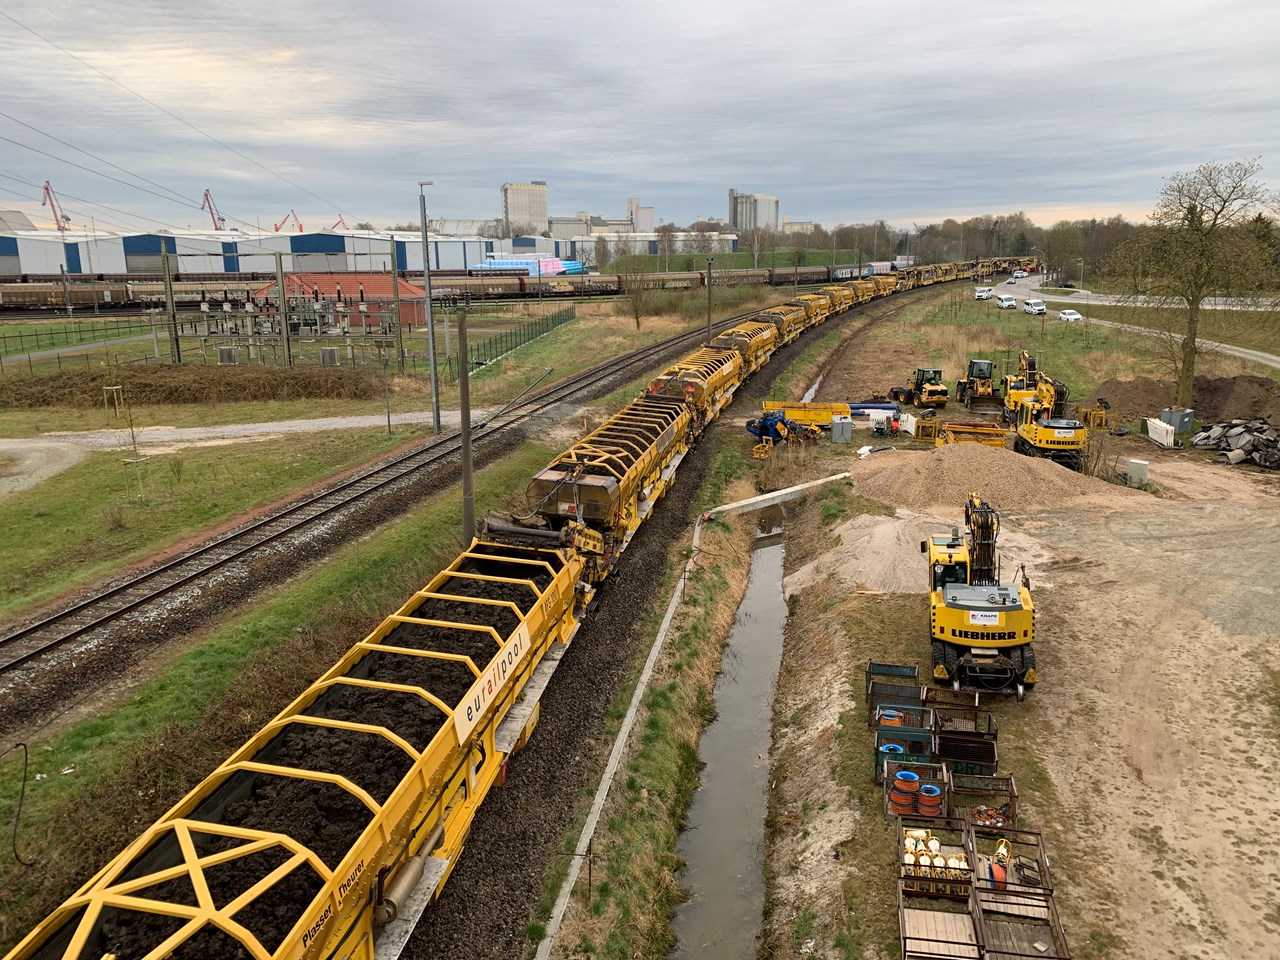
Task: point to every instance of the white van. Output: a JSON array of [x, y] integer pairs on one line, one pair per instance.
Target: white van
[[1005, 302], [982, 293], [1033, 306]]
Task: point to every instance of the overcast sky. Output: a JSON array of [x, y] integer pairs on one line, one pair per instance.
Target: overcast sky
[[847, 111]]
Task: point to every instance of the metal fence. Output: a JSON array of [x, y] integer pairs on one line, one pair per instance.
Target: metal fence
[[487, 351]]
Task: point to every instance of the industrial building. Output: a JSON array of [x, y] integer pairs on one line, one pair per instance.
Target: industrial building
[[525, 205], [32, 252], [749, 211]]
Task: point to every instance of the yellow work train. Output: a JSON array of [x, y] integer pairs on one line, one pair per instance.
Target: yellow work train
[[334, 827]]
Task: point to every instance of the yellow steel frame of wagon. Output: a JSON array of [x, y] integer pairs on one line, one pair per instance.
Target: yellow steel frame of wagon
[[398, 828]]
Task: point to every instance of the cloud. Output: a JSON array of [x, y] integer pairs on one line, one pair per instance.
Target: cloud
[[847, 111]]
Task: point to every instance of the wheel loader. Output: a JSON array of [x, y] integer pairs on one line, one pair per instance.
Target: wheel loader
[[926, 389], [977, 389], [981, 630]]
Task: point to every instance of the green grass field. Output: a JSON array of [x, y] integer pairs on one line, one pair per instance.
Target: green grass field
[[1256, 330], [90, 520]]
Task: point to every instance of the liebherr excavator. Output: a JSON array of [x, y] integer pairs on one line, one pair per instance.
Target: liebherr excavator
[[981, 630]]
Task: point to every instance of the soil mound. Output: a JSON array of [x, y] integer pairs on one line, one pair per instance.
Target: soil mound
[[944, 477], [1213, 398], [883, 553]]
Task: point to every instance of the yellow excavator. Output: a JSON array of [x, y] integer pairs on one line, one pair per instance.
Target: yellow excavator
[[981, 630]]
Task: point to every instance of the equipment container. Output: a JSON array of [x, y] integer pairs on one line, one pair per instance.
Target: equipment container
[[1177, 417], [892, 672], [928, 774], [842, 429], [903, 744], [967, 755], [881, 693], [969, 792], [965, 722]]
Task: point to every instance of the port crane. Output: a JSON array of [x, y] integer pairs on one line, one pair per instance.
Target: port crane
[[219, 221], [51, 201]]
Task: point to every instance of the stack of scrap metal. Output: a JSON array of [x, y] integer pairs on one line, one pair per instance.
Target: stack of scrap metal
[[1239, 440]]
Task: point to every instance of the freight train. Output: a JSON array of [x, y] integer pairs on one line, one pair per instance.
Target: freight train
[[134, 292], [334, 827]]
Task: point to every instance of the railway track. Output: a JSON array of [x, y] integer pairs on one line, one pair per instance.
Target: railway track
[[25, 647]]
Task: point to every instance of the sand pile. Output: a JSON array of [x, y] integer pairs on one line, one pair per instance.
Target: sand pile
[[883, 553], [944, 477]]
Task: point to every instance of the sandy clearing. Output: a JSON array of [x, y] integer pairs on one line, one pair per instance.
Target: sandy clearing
[[34, 461], [1155, 721]]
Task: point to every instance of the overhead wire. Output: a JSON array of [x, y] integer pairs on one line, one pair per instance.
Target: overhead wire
[[187, 201], [171, 114]]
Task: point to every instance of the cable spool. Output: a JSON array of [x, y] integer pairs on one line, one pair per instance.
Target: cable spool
[[901, 806], [893, 749], [906, 781], [929, 800], [890, 718]]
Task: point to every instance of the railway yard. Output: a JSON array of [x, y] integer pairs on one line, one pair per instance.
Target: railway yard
[[1146, 756]]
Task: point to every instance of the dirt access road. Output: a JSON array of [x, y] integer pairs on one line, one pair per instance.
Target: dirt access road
[[1148, 755]]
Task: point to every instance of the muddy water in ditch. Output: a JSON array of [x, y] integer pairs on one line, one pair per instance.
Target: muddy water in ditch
[[723, 844]]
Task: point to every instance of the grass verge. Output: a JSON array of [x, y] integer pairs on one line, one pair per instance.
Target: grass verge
[[89, 520]]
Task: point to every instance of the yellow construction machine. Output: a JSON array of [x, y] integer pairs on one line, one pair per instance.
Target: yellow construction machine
[[926, 389], [1042, 429], [1020, 386], [980, 630], [977, 389]]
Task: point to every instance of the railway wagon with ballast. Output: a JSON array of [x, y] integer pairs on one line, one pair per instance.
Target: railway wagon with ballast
[[309, 841]]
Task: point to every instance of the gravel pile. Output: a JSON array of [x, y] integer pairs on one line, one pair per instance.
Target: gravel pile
[[946, 475]]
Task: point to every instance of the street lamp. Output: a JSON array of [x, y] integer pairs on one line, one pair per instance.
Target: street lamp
[[426, 289], [710, 261]]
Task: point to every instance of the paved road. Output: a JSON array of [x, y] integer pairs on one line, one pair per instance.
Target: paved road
[[1023, 289]]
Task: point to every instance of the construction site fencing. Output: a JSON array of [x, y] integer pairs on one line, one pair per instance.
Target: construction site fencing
[[492, 348]]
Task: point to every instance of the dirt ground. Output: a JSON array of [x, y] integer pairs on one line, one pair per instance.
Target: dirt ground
[[26, 463], [1152, 756]]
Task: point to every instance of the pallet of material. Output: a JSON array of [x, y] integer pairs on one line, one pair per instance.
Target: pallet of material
[[967, 755], [927, 775], [1005, 936]]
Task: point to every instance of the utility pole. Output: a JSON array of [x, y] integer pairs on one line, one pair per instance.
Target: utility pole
[[710, 261], [431, 324], [395, 307], [175, 348], [464, 398], [282, 310]]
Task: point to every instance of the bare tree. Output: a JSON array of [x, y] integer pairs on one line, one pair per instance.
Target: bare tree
[[364, 225], [603, 253], [757, 241], [666, 244], [635, 284], [1199, 245]]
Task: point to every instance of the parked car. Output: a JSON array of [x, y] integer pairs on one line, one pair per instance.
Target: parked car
[[1070, 316], [1033, 306], [1006, 302], [982, 293], [1067, 285], [1020, 274]]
